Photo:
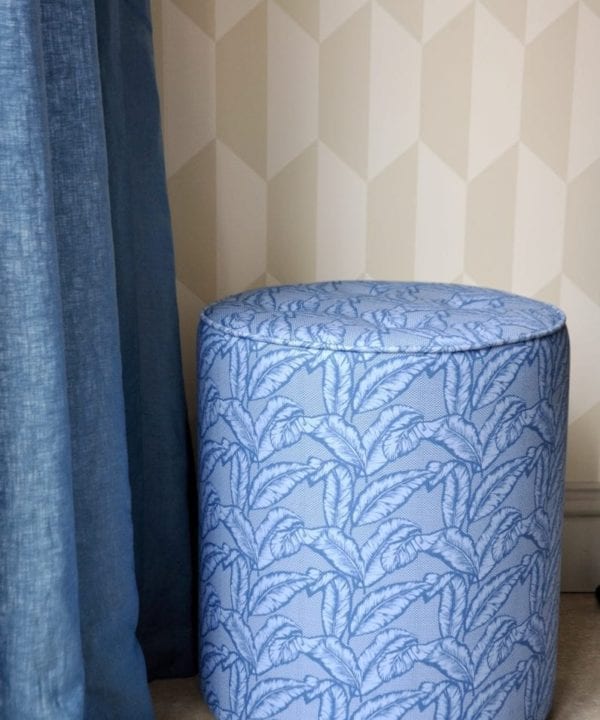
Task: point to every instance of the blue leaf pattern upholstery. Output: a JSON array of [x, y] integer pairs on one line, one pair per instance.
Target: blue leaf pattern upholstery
[[381, 480]]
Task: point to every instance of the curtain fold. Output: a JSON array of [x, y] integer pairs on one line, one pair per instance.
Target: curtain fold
[[95, 465], [160, 462]]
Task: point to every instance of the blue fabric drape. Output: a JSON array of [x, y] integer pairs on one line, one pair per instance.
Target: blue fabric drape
[[94, 449], [160, 462]]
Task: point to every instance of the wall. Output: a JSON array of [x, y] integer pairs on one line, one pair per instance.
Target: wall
[[444, 140]]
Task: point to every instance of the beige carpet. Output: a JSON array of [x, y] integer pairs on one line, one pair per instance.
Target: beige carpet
[[577, 695], [577, 690]]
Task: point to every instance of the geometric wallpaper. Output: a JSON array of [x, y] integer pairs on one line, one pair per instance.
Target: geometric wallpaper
[[448, 140]]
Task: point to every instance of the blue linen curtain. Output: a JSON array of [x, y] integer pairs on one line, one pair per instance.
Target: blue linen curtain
[[95, 468]]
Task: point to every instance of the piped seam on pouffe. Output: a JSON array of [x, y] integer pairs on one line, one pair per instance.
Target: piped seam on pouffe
[[390, 350]]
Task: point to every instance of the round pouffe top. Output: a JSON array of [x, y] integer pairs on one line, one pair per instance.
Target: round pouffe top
[[387, 317]]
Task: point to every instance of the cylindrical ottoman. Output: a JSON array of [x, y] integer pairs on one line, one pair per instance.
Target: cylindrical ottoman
[[381, 482]]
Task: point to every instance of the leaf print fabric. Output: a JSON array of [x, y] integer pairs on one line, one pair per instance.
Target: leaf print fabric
[[384, 317], [381, 482]]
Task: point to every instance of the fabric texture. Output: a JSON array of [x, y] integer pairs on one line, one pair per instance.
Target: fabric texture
[[381, 525], [384, 316], [82, 424], [161, 467]]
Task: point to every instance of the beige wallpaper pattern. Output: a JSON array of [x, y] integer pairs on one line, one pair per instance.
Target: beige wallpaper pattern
[[446, 140]]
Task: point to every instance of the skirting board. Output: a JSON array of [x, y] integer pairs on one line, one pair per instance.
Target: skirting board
[[581, 538]]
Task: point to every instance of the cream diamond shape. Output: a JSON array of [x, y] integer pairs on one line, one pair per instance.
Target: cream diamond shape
[[582, 246], [585, 118], [542, 13], [539, 224], [229, 12], [392, 219], [341, 219], [305, 13], [293, 90], [490, 222], [446, 91], [394, 90], [188, 87], [438, 13], [344, 91], [495, 91], [407, 12], [548, 91], [441, 211], [334, 13], [242, 89], [241, 223], [292, 219]]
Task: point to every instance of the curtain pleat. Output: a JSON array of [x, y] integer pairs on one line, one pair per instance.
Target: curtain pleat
[[39, 609], [95, 466], [160, 461]]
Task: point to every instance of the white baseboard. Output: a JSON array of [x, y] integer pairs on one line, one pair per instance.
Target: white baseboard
[[582, 499], [581, 538]]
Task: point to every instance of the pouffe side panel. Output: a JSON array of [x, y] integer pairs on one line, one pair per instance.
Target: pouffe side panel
[[380, 536]]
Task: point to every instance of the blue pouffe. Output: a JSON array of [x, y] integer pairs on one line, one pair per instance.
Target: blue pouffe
[[381, 481]]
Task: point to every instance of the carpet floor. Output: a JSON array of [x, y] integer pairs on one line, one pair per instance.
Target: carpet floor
[[577, 695]]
